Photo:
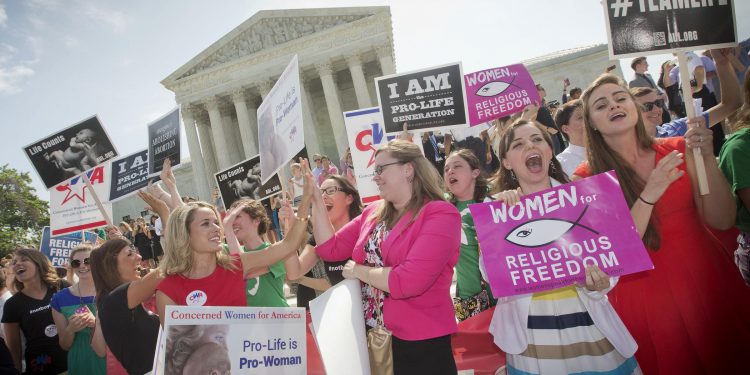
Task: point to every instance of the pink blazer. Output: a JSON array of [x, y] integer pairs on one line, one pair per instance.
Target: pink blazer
[[422, 255]]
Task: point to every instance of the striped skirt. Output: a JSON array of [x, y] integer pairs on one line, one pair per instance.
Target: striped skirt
[[563, 339]]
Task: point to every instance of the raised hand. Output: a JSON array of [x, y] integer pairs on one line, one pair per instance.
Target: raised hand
[[699, 135], [405, 134], [510, 197]]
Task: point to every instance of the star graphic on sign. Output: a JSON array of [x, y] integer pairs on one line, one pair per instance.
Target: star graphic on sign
[[77, 191]]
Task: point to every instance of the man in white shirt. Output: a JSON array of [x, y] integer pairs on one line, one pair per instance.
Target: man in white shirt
[[569, 120]]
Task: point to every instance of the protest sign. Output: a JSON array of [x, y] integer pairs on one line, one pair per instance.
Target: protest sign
[[280, 132], [164, 141], [70, 151], [72, 206], [365, 131], [499, 92], [546, 240], [637, 28], [242, 180], [129, 174], [58, 248], [243, 340], [428, 99], [343, 347]]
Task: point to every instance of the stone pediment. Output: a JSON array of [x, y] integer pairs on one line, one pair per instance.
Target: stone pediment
[[268, 29]]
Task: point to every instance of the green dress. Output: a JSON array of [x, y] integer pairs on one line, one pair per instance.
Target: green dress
[[266, 290], [81, 356]]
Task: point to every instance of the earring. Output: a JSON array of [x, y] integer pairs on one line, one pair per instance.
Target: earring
[[512, 175], [552, 168], [410, 179]]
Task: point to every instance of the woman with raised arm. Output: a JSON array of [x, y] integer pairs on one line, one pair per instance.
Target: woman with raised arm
[[403, 250], [122, 324], [342, 203], [466, 184], [690, 313], [73, 310], [196, 269], [565, 330]]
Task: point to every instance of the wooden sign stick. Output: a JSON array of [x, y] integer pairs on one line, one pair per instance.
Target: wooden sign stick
[[687, 96]]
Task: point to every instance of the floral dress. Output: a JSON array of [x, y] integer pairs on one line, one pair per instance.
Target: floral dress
[[372, 298]]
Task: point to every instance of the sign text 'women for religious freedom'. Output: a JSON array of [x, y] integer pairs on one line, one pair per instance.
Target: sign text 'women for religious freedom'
[[548, 238]]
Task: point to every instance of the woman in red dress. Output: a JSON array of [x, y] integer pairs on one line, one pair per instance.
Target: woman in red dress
[[691, 313]]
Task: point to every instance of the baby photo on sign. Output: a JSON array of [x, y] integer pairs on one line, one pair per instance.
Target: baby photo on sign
[[70, 152], [243, 181], [197, 350]]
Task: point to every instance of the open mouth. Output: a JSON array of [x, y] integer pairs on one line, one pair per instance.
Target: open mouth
[[617, 116], [452, 180], [20, 271], [215, 239], [534, 163], [329, 206]]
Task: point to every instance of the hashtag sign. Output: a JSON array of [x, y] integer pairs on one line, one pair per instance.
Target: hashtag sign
[[621, 7]]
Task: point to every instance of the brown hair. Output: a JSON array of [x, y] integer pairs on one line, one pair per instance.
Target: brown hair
[[46, 273], [562, 117], [480, 183], [427, 185], [641, 91], [601, 157], [255, 210], [104, 267], [356, 207], [503, 179]]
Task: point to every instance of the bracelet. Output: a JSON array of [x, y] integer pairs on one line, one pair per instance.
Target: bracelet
[[302, 219], [645, 201]]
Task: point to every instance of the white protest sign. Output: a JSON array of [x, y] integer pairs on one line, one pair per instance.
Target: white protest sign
[[243, 340], [72, 206], [280, 132], [364, 129], [343, 347]]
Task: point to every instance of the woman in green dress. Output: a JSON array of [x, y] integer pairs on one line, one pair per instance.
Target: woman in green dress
[[74, 311]]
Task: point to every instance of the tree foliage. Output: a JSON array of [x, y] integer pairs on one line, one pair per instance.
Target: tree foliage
[[22, 214]]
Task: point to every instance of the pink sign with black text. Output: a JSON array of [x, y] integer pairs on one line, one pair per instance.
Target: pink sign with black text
[[498, 92], [547, 239]]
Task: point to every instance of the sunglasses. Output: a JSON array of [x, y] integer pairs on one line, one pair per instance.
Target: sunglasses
[[316, 160], [379, 169], [75, 263], [648, 106], [331, 190]]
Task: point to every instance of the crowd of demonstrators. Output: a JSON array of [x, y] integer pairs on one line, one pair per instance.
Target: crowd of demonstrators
[[342, 202], [734, 161], [587, 334], [659, 182], [403, 249]]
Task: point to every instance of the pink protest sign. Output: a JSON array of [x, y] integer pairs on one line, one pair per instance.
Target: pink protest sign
[[545, 241], [498, 92]]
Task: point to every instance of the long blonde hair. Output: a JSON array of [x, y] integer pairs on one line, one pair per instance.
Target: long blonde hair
[[602, 158], [427, 185], [178, 255]]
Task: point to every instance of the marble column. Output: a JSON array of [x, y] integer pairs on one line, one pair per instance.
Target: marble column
[[221, 145], [232, 133], [385, 58], [252, 116], [312, 141], [196, 156], [358, 79], [334, 107], [247, 135], [207, 145]]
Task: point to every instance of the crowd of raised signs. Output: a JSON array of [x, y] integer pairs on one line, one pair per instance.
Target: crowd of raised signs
[[690, 314]]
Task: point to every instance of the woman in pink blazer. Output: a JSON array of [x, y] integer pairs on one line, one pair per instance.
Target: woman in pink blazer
[[403, 250]]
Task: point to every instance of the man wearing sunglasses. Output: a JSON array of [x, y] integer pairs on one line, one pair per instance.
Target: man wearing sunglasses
[[652, 106]]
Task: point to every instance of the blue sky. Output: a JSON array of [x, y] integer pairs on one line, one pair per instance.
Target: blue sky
[[63, 61]]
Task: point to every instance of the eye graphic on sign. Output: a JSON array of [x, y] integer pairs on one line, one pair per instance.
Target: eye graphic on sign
[[367, 138], [494, 88], [540, 232]]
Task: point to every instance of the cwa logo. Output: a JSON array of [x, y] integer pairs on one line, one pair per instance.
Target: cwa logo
[[368, 138], [76, 188], [196, 298]]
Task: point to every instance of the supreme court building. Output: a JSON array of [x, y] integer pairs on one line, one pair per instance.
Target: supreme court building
[[341, 51]]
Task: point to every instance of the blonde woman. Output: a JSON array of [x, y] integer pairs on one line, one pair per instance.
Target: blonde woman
[[198, 273]]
